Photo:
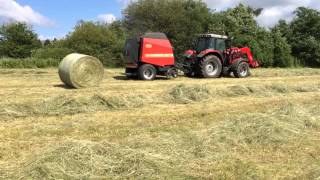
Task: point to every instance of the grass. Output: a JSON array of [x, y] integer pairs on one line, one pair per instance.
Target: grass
[[263, 127], [10, 63]]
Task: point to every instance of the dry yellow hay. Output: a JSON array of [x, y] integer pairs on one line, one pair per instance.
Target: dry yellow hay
[[81, 71]]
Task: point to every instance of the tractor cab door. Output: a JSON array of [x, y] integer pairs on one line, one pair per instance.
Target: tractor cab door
[[132, 50], [221, 45]]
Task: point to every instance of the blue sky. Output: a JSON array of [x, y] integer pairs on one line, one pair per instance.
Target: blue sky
[[65, 14], [56, 18]]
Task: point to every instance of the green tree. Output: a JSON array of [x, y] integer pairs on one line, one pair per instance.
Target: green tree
[[305, 36], [119, 31], [47, 42], [100, 40], [284, 28], [240, 23], [181, 20], [282, 50], [17, 40]]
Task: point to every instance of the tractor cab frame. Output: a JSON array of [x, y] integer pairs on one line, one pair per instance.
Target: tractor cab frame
[[211, 41]]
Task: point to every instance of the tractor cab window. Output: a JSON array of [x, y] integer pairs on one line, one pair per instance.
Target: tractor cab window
[[204, 43], [221, 45]]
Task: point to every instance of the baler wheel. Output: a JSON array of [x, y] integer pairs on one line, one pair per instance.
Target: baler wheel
[[242, 70], [210, 67], [147, 72]]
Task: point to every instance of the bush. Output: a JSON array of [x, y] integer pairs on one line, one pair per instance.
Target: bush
[[104, 41], [17, 40], [28, 63], [51, 53]]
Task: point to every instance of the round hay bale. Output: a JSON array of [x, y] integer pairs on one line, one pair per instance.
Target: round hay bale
[[81, 71]]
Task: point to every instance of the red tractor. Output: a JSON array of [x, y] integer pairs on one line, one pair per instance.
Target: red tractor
[[212, 57]]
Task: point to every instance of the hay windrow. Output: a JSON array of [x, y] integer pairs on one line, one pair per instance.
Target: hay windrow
[[266, 90], [63, 105], [180, 94], [80, 71], [89, 160], [185, 94], [270, 128]]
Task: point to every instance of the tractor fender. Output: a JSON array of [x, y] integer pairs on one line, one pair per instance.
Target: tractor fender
[[236, 63], [210, 52]]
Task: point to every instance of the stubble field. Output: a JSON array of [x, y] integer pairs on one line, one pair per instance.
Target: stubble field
[[263, 127]]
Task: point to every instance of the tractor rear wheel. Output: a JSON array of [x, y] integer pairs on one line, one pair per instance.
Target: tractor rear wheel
[[147, 72], [210, 67], [242, 70]]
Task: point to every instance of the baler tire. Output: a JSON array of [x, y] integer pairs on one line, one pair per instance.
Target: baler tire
[[242, 70], [147, 72], [215, 63]]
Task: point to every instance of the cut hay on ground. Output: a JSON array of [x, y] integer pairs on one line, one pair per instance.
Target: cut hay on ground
[[80, 71], [231, 147], [262, 127]]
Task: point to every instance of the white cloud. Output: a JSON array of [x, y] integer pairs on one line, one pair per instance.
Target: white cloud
[[107, 18], [125, 2], [10, 10], [43, 38], [274, 10], [270, 16]]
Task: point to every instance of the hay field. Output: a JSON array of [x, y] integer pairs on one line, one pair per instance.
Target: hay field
[[263, 127]]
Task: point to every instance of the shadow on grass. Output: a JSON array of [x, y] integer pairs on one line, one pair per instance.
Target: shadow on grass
[[63, 86], [124, 78]]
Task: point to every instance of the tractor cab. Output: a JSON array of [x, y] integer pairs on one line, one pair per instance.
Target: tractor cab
[[212, 42]]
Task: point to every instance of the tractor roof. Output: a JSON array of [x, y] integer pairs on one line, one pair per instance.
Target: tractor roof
[[214, 36]]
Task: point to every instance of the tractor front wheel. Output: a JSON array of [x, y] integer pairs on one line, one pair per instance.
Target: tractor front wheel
[[210, 67], [147, 72], [242, 70]]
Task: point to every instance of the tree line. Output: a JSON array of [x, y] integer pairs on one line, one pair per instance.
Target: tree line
[[287, 44]]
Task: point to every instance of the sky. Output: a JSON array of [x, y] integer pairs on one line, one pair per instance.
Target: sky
[[56, 18]]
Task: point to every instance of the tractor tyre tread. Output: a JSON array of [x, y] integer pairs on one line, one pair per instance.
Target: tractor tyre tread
[[201, 71], [237, 72]]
